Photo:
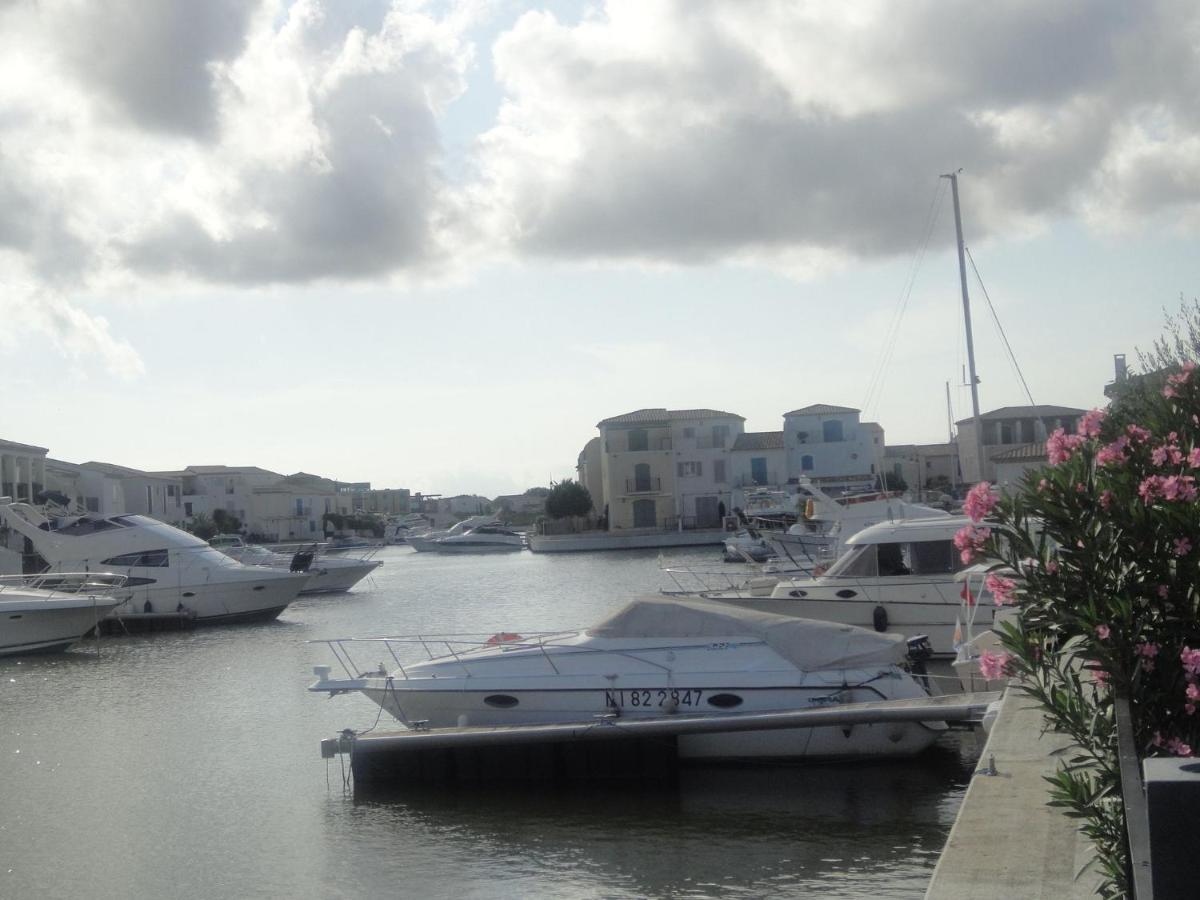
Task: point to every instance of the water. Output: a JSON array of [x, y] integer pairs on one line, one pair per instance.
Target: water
[[187, 765]]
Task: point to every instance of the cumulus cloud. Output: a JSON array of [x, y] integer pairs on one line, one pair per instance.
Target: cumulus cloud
[[692, 130]]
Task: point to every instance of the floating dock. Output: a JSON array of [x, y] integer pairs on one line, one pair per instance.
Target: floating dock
[[609, 748]]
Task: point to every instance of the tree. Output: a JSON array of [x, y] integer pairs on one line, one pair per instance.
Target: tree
[[225, 522], [203, 527], [568, 498]]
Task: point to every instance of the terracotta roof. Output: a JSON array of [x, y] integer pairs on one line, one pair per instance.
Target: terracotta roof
[[661, 414], [821, 409], [759, 440], [1026, 412], [1035, 452]]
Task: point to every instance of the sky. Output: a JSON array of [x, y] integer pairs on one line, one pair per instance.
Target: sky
[[431, 244]]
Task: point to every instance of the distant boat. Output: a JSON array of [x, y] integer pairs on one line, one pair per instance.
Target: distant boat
[[326, 574], [481, 539], [423, 542]]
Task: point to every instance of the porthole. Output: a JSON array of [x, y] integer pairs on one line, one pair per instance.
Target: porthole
[[501, 701], [725, 701], [846, 593], [797, 593]]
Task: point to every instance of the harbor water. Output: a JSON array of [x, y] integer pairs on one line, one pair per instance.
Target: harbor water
[[187, 765]]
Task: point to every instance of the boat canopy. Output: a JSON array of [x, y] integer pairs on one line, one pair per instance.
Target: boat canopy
[[808, 644]]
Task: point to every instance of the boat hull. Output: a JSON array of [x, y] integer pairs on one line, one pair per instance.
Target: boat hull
[[218, 602], [337, 576], [449, 708], [48, 626]]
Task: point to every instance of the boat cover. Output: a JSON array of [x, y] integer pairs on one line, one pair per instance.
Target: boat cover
[[808, 644]]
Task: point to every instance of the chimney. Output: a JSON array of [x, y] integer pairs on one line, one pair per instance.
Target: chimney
[[1119, 365]]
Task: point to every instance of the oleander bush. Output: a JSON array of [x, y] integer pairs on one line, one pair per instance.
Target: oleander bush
[[1100, 553]]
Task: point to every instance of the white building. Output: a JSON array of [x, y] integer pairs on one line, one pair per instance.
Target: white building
[[1005, 429], [465, 505], [155, 494], [22, 470], [829, 445], [229, 488]]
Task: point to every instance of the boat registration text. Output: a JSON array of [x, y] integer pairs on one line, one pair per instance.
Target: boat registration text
[[620, 699]]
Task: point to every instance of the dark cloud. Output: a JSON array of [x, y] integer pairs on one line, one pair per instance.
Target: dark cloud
[[153, 60]]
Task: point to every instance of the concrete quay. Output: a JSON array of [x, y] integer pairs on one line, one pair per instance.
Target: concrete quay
[[632, 540], [1006, 842]]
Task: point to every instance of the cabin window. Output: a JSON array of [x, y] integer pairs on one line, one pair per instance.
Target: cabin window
[[147, 559], [892, 559], [832, 431], [858, 562], [639, 439], [933, 558]]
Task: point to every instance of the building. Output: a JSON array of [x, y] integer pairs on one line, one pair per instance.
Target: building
[[155, 494], [924, 467], [589, 472], [828, 445], [1011, 465], [1005, 429], [22, 470], [384, 501], [532, 502], [230, 488], [465, 505], [758, 459], [665, 468], [294, 507]]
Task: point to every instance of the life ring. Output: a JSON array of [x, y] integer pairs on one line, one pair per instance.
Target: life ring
[[502, 637]]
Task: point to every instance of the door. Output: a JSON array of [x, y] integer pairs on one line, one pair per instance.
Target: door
[[644, 514], [707, 515], [758, 469]]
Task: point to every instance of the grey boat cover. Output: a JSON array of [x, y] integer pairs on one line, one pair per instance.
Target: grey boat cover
[[808, 644]]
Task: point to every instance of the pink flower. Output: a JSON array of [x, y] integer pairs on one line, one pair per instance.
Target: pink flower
[[1178, 487], [1193, 692], [1178, 747], [1080, 487], [1106, 498], [1099, 676], [1113, 453], [1150, 488], [1089, 425], [1158, 739], [1001, 588], [1164, 590], [980, 501], [970, 540], [1043, 484], [1102, 632], [1193, 458], [1189, 708], [1147, 650], [1191, 660], [1139, 434], [1061, 445], [1052, 567], [1174, 382], [1182, 546], [993, 665]]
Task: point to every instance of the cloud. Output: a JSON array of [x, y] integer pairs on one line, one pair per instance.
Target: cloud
[[694, 130]]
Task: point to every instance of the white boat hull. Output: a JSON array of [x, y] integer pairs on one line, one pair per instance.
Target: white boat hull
[[337, 576], [45, 626], [215, 602], [475, 547], [449, 708]]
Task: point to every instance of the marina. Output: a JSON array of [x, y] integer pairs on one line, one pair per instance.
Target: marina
[[218, 720]]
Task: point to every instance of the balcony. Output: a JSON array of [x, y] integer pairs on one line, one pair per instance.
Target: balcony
[[643, 485], [748, 481]]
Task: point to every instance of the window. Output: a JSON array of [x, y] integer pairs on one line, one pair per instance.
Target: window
[[689, 432], [858, 562], [832, 431], [147, 559], [92, 504], [639, 439], [187, 509], [802, 437], [645, 515], [720, 435], [689, 469], [933, 558], [806, 463], [719, 471], [149, 500], [229, 486], [641, 477], [929, 464], [299, 507]]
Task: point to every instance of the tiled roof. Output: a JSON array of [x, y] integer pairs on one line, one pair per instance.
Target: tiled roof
[[1027, 412], [1035, 452], [822, 409], [230, 470], [110, 468], [759, 440], [923, 449], [22, 448], [661, 414]]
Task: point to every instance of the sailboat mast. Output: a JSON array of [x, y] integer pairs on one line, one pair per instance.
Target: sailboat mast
[[962, 276]]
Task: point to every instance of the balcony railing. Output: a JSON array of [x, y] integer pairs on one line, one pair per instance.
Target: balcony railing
[[744, 481], [643, 485]]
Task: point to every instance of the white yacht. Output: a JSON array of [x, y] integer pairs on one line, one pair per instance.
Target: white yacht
[[820, 534], [41, 614], [653, 658], [327, 574], [423, 542], [896, 577], [168, 571], [747, 545], [481, 539]]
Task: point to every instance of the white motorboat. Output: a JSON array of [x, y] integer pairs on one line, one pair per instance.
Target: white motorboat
[[423, 542], [654, 658], [481, 539], [168, 571], [747, 545], [896, 577], [42, 614], [327, 574], [827, 523]]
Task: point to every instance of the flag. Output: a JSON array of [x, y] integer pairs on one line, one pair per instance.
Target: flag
[[966, 594], [957, 633]]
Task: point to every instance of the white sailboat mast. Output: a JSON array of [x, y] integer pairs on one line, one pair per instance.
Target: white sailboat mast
[[962, 275]]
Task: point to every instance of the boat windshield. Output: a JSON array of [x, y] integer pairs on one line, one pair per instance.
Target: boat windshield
[[888, 560]]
